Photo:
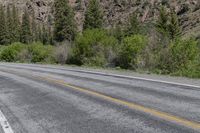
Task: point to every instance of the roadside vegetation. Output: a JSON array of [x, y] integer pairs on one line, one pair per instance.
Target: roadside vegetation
[[154, 47]]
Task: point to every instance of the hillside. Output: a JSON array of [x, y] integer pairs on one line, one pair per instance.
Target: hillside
[[156, 36], [117, 11]]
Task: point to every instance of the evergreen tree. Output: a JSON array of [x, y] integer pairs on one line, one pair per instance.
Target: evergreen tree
[[168, 25], [133, 26], [9, 22], [65, 27], [174, 27], [3, 29], [50, 36], [118, 32], [45, 38], [162, 22], [39, 33], [33, 28], [15, 25], [25, 28], [93, 16]]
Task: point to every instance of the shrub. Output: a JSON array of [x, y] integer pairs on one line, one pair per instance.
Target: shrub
[[180, 57], [130, 49], [61, 53], [183, 53], [91, 44], [10, 53], [39, 52], [24, 55], [1, 48], [98, 60], [35, 52], [192, 71], [118, 32]]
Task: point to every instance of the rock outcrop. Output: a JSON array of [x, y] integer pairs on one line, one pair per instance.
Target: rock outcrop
[[117, 11]]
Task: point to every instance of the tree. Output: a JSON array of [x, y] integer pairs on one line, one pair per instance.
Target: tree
[[133, 26], [3, 29], [118, 32], [162, 22], [39, 33], [9, 22], [168, 25], [45, 38], [50, 35], [25, 28], [93, 16], [15, 25], [174, 27], [65, 27], [162, 27], [33, 28]]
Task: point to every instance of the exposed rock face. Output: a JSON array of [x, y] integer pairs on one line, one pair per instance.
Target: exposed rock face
[[41, 8], [117, 11]]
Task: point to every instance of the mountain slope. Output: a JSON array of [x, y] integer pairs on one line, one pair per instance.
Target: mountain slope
[[117, 11]]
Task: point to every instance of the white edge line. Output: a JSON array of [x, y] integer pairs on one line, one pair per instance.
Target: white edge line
[[118, 75], [5, 124], [137, 78]]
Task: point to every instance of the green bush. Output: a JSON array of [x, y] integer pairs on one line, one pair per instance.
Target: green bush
[[132, 46], [1, 48], [91, 44], [10, 53], [192, 63], [39, 52], [192, 71], [36, 52], [183, 53], [95, 61], [181, 58]]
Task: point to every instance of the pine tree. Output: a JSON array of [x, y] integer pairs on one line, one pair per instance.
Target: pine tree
[[168, 25], [25, 28], [118, 32], [33, 28], [39, 33], [3, 29], [9, 25], [133, 26], [162, 22], [45, 38], [50, 36], [65, 27], [93, 16], [174, 27], [15, 25]]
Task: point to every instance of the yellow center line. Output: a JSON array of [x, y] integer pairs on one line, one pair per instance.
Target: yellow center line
[[159, 114]]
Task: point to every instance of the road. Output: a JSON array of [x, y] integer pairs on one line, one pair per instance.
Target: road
[[56, 99]]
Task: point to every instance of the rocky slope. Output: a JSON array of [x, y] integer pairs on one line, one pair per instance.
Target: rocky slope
[[117, 11]]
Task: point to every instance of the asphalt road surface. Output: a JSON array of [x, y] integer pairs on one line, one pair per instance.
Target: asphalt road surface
[[56, 99]]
